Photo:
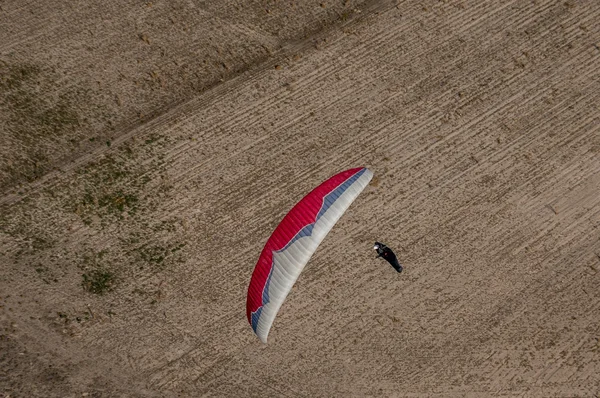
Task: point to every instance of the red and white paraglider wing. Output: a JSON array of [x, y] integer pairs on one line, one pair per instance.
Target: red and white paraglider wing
[[293, 243]]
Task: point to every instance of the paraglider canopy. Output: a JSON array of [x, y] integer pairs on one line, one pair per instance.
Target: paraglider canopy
[[293, 243]]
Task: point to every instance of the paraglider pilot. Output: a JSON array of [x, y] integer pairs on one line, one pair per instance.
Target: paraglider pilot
[[387, 254]]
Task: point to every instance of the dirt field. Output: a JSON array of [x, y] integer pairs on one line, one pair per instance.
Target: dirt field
[[150, 148]]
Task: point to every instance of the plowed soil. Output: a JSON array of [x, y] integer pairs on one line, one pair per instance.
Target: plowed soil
[[150, 148]]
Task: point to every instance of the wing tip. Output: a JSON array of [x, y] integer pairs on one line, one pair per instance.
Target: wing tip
[[263, 339]]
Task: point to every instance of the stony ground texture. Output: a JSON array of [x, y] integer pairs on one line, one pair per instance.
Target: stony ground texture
[[150, 148]]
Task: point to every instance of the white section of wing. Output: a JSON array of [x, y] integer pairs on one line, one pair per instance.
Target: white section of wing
[[289, 263]]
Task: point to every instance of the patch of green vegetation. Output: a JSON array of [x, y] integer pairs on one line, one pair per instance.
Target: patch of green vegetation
[[114, 203], [117, 202], [158, 254], [101, 194], [13, 76], [177, 248], [92, 259], [98, 281], [108, 187], [108, 170], [154, 254], [32, 119]]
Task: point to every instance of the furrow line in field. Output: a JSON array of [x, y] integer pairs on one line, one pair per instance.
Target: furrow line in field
[[318, 74], [505, 151]]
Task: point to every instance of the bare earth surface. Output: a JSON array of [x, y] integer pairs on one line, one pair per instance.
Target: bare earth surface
[[150, 148]]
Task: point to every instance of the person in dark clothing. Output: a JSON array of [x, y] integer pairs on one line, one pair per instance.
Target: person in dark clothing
[[387, 254]]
